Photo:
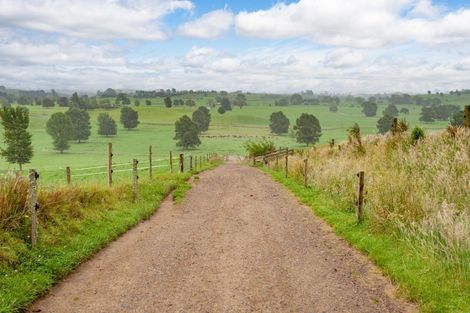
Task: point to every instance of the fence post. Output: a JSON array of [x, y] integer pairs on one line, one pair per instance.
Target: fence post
[[360, 197], [135, 180], [467, 116], [68, 174], [287, 162], [150, 162], [191, 163], [110, 164], [33, 205], [181, 163], [171, 162], [305, 172]]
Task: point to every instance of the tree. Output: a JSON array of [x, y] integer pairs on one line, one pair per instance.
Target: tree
[[60, 128], [47, 103], [167, 102], [190, 103], [391, 110], [225, 103], [15, 122], [202, 118], [240, 100], [307, 129], [80, 122], [148, 102], [136, 102], [279, 123], [281, 102], [221, 110], [369, 108], [404, 111], [122, 98], [129, 118], [384, 124], [63, 102], [75, 101], [296, 99], [333, 108], [106, 125], [458, 119], [187, 133], [427, 114]]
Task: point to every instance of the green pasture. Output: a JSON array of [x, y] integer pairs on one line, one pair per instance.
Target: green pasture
[[227, 135]]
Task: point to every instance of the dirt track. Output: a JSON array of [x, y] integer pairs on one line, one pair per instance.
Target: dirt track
[[239, 243]]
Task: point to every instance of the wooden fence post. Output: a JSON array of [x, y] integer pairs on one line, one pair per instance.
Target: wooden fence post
[[305, 172], [150, 162], [467, 116], [110, 164], [135, 179], [68, 174], [287, 162], [360, 197], [191, 163], [171, 162], [33, 205], [181, 163]]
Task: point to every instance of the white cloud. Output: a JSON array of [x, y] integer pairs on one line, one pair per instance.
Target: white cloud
[[342, 58], [209, 26], [89, 19], [358, 23]]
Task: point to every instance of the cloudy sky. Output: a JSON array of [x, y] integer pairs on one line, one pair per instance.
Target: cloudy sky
[[347, 46]]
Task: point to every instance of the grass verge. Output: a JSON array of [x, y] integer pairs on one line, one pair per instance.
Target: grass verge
[[70, 236], [419, 279]]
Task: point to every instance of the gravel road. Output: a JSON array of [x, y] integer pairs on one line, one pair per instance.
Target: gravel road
[[238, 243]]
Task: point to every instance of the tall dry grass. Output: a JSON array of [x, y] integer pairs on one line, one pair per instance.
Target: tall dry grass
[[421, 191]]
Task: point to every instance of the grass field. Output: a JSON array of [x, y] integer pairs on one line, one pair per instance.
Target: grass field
[[227, 135]]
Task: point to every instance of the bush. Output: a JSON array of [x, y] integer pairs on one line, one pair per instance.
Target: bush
[[259, 148], [417, 134]]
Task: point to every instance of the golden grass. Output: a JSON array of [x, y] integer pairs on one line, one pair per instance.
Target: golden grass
[[419, 190]]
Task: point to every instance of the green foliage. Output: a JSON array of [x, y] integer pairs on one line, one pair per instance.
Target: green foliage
[[427, 114], [202, 118], [190, 103], [80, 122], [369, 108], [148, 102], [129, 118], [221, 110], [186, 133], [279, 123], [63, 102], [458, 119], [76, 101], [391, 110], [384, 124], [60, 128], [240, 100], [296, 99], [47, 103], [404, 111], [167, 102], [256, 148], [15, 122], [417, 134], [307, 129], [225, 103], [106, 125], [333, 108]]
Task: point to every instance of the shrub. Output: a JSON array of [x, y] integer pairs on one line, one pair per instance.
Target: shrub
[[259, 148], [417, 134]]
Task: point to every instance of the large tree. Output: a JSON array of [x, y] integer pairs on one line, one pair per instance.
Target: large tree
[[17, 139], [458, 119], [307, 129], [80, 122], [186, 133], [240, 100], [129, 118], [279, 123], [47, 103], [296, 99], [225, 103], [60, 128], [106, 125], [427, 114], [202, 118], [384, 124], [369, 108], [391, 110]]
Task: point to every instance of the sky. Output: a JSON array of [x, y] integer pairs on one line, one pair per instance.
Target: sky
[[335, 46]]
